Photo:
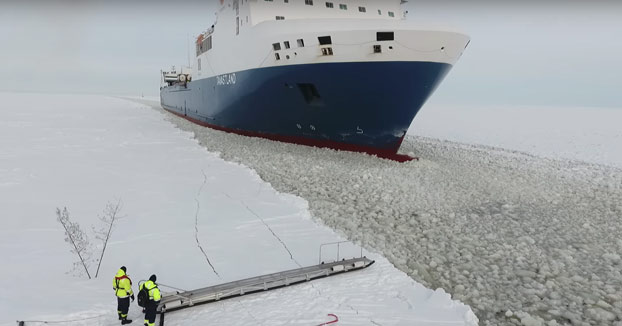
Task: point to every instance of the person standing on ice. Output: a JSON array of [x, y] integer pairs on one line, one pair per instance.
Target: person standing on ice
[[154, 300], [122, 286]]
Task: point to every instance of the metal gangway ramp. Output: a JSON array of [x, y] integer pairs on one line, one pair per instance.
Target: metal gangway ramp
[[185, 299]]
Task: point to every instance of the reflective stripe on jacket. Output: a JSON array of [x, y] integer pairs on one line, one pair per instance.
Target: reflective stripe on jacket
[[122, 285], [154, 292]]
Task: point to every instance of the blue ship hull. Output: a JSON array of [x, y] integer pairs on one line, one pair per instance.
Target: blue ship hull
[[358, 106]]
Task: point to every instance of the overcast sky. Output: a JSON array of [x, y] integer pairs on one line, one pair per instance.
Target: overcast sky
[[562, 53]]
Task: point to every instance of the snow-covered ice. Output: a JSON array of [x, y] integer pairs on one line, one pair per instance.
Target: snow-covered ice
[[577, 133], [84, 151], [522, 239]]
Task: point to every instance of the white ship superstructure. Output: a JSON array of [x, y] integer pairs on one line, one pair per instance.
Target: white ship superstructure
[[314, 72]]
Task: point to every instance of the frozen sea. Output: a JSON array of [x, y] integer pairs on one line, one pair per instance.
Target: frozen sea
[[516, 227], [585, 134], [189, 216], [525, 226]]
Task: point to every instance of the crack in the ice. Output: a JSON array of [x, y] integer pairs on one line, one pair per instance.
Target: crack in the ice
[[339, 304], [319, 293], [402, 298], [257, 321], [196, 224], [291, 256], [350, 307]]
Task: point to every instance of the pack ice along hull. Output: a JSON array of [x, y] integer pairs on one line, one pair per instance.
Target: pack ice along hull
[[355, 106]]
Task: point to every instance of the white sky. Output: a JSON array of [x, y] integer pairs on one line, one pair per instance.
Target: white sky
[[564, 53]]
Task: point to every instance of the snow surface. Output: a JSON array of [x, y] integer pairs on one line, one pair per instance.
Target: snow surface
[[524, 240], [84, 151], [577, 133]]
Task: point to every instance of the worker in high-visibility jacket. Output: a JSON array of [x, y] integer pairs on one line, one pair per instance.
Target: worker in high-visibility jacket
[[122, 286], [154, 300]]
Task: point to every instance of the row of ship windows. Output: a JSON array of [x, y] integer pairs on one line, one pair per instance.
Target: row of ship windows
[[327, 40], [342, 6], [301, 43], [206, 44]]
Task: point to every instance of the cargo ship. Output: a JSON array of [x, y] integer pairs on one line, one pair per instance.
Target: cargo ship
[[347, 74]]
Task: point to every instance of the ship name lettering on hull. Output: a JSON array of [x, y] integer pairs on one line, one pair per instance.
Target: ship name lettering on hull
[[226, 79]]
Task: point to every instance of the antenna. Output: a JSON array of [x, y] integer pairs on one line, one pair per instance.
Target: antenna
[[188, 48]]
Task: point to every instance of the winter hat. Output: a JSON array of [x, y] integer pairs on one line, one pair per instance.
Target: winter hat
[[152, 278], [124, 269]]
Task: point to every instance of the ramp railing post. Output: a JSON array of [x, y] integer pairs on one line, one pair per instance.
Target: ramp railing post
[[338, 251]]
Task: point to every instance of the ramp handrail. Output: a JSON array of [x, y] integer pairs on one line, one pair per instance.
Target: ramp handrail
[[338, 248], [162, 284], [176, 301], [173, 294]]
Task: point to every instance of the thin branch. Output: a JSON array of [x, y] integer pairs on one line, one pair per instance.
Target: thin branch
[[63, 218], [109, 217]]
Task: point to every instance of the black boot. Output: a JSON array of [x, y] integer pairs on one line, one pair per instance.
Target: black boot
[[126, 321]]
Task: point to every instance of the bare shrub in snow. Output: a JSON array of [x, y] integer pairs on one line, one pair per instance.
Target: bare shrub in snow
[[79, 241], [108, 217]]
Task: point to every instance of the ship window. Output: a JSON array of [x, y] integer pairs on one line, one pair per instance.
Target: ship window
[[280, 17], [276, 46], [286, 44], [286, 1], [301, 43], [385, 36], [209, 44], [379, 12], [277, 56], [362, 9], [325, 40], [343, 6], [391, 14], [309, 2], [199, 63], [329, 5]]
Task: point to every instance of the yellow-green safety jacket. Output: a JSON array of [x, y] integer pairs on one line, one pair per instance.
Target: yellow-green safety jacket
[[122, 285], [154, 292]]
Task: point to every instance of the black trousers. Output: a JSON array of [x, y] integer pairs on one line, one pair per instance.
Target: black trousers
[[151, 311], [123, 306]]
